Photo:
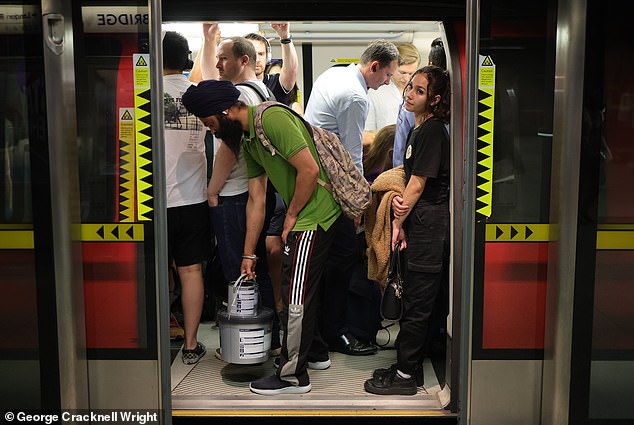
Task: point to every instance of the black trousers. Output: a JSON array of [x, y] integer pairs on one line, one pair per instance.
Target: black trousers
[[427, 232], [304, 260], [333, 308]]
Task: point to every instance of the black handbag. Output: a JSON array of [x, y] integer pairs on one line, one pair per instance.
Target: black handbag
[[392, 300]]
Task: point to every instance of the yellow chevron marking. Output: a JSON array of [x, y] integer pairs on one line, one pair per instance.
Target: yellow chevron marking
[[520, 232]]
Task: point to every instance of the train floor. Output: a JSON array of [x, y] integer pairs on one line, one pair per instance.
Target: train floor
[[213, 386]]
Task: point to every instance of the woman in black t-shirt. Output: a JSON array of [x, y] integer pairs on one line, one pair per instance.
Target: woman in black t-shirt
[[421, 225]]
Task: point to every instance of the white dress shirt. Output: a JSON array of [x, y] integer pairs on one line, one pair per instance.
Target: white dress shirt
[[339, 103]]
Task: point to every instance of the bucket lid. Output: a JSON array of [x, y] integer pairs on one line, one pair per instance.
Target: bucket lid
[[265, 314]]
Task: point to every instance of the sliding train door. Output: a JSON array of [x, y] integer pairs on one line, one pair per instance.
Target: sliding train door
[[80, 209], [121, 203], [602, 354], [42, 361], [513, 232]]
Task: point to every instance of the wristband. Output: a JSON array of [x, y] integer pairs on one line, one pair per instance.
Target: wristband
[[285, 40], [250, 257]]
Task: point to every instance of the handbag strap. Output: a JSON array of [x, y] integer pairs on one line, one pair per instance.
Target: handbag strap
[[395, 261]]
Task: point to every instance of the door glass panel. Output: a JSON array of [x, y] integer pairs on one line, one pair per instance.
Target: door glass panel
[[513, 286], [612, 367], [116, 224], [21, 77]]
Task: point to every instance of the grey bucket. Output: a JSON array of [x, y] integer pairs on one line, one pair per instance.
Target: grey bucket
[[243, 297], [245, 339]]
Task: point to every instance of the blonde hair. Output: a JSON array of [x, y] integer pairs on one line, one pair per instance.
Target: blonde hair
[[408, 54], [380, 153]]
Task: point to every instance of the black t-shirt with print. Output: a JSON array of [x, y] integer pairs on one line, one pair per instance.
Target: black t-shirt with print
[[427, 155]]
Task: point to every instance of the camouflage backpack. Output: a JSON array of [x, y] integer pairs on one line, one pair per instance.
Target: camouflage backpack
[[347, 185]]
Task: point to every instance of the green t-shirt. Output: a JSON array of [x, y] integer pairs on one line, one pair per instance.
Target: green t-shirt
[[288, 135]]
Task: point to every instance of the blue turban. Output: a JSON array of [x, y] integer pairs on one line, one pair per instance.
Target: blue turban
[[210, 97]]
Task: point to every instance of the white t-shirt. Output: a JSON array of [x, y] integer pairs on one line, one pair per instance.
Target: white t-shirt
[[384, 104], [238, 180], [185, 161]]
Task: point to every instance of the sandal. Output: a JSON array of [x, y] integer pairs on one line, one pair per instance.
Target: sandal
[[193, 356]]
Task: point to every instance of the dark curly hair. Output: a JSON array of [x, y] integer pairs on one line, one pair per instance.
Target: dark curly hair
[[439, 85]]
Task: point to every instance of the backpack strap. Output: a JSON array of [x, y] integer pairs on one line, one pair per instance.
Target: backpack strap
[[266, 142], [269, 96]]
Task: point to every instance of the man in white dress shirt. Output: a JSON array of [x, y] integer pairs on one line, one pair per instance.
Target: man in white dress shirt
[[386, 100], [339, 103]]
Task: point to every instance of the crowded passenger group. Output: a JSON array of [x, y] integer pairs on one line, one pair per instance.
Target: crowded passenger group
[[245, 181]]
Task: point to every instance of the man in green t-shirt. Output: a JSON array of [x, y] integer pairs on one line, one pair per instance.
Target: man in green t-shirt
[[312, 220]]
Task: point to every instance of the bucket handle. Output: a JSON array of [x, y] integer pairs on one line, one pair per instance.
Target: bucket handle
[[237, 285]]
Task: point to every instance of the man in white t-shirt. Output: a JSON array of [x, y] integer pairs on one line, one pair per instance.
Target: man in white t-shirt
[[186, 180]]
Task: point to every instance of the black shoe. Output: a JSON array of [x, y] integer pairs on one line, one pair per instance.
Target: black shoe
[[273, 385], [348, 344], [194, 355], [380, 374], [391, 384]]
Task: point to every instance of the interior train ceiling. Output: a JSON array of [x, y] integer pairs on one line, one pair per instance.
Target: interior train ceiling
[[311, 10]]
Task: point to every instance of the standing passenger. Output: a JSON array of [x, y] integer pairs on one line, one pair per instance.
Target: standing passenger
[[282, 83], [186, 179], [228, 188], [421, 224], [310, 226], [339, 103], [386, 101], [405, 120]]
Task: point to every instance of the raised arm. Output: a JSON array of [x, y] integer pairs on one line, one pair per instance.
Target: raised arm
[[208, 51], [195, 75], [288, 74]]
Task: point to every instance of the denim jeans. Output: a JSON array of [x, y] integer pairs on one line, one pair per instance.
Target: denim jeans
[[229, 221]]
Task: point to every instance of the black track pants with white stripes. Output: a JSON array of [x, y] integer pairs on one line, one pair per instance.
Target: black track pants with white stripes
[[303, 262]]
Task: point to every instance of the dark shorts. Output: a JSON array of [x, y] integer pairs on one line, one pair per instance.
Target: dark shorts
[[188, 235], [277, 219]]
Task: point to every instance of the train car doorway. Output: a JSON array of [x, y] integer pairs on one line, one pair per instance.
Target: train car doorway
[[214, 386]]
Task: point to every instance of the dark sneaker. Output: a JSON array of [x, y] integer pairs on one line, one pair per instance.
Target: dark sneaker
[[316, 365], [193, 356], [319, 364], [273, 385], [382, 373], [391, 384]]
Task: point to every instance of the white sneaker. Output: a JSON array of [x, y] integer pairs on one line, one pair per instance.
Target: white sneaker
[[323, 365]]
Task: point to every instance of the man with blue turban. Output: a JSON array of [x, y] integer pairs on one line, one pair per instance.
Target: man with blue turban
[[312, 220]]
